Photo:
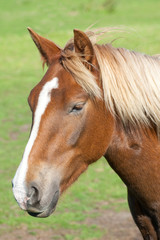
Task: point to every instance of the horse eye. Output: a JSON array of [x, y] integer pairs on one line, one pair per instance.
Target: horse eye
[[77, 108]]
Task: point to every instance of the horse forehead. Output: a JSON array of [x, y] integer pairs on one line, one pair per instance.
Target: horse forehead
[[61, 90], [47, 84], [48, 88]]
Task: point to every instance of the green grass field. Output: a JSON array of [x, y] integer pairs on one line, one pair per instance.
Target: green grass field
[[20, 70]]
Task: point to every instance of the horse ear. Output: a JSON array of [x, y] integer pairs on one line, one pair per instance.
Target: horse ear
[[83, 45], [47, 48]]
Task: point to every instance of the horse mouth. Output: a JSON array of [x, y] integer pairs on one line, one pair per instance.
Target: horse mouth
[[44, 212]]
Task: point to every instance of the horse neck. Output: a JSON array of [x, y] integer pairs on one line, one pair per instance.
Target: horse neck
[[131, 148]]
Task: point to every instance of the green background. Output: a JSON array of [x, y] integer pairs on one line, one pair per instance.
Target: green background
[[20, 70]]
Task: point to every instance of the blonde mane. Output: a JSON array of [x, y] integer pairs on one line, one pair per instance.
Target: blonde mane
[[130, 80]]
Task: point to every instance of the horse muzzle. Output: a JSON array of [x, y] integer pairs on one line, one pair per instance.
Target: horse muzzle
[[37, 201]]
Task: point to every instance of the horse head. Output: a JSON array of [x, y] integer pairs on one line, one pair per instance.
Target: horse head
[[69, 122]]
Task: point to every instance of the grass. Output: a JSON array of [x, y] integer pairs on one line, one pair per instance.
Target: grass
[[21, 70]]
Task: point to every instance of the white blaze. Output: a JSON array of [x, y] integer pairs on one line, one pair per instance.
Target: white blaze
[[19, 179]]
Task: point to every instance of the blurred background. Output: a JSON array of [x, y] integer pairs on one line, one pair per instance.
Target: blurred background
[[95, 207]]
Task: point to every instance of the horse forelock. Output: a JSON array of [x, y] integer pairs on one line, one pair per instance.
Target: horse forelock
[[130, 80], [72, 62]]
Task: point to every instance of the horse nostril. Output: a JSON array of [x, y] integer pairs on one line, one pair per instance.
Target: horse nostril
[[33, 195]]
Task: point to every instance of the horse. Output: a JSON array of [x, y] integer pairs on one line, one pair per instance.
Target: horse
[[94, 100]]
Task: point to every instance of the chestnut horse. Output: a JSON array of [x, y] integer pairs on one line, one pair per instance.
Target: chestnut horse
[[94, 100]]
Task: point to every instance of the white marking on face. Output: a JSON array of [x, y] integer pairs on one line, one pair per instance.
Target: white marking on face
[[19, 186]]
